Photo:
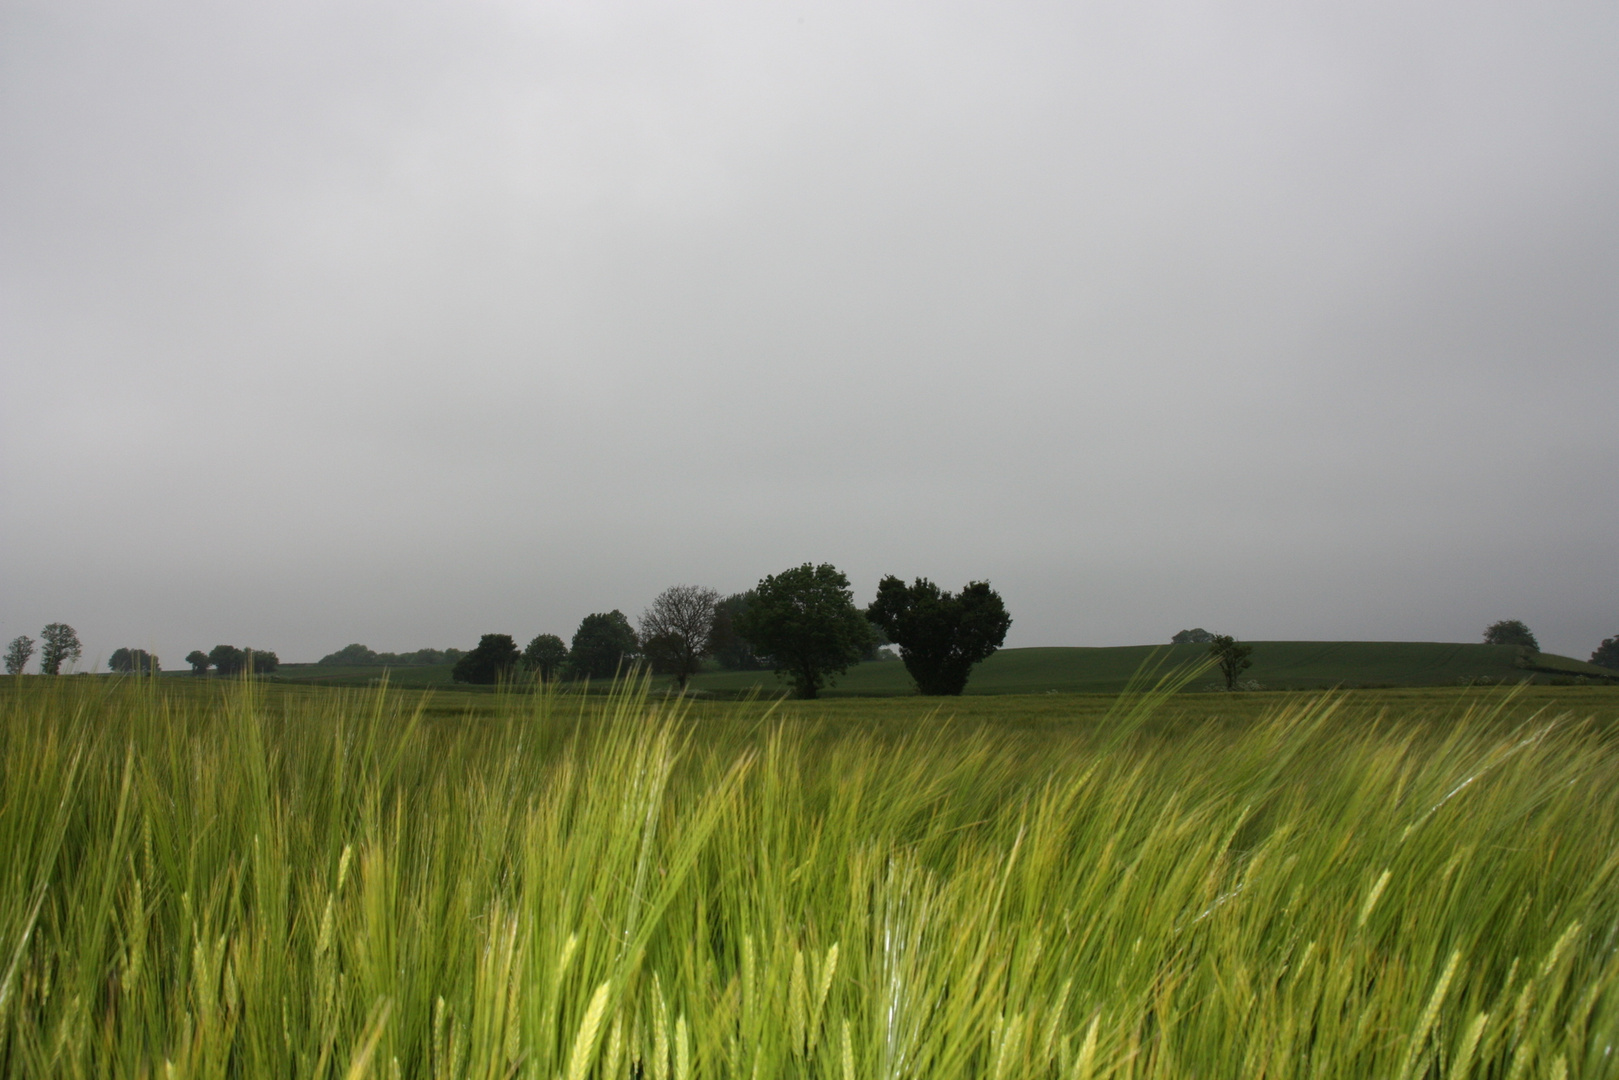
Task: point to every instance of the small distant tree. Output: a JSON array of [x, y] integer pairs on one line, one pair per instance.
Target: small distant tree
[[261, 661], [1511, 632], [940, 635], [805, 619], [495, 658], [603, 643], [1197, 636], [1606, 655], [59, 645], [227, 660], [133, 660], [545, 656], [199, 662], [17, 654], [678, 629], [355, 655], [726, 645], [1231, 656]]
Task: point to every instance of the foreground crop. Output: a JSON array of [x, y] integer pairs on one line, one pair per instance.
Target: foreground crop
[[210, 883]]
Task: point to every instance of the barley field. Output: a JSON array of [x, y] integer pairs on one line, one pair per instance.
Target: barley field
[[234, 880]]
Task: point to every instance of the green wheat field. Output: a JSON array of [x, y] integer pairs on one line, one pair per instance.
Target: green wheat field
[[220, 879]]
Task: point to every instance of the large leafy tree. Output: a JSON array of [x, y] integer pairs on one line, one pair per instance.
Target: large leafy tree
[[1606, 655], [59, 644], [17, 654], [728, 647], [495, 658], [1232, 656], [604, 642], [545, 656], [199, 662], [133, 660], [805, 619], [677, 631], [227, 659], [1511, 632], [940, 635]]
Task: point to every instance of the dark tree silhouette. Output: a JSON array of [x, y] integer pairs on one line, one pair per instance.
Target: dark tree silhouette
[[1231, 656], [1607, 654], [728, 647], [1511, 632], [545, 656], [199, 662], [131, 660], [495, 658], [227, 659], [603, 643], [940, 635]]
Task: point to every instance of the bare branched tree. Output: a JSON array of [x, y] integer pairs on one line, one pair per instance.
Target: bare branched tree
[[677, 630]]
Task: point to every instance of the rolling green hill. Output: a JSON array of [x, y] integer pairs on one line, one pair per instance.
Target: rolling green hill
[[1277, 665]]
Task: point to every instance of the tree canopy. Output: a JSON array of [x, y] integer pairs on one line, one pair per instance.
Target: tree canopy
[[604, 642], [17, 654], [728, 647], [1232, 657], [940, 635], [199, 662], [495, 658], [806, 621], [227, 659], [1607, 654], [545, 656], [133, 660], [357, 655], [1511, 632], [678, 629], [59, 644], [1195, 636]]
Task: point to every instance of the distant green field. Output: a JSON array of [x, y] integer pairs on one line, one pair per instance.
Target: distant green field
[[1278, 665]]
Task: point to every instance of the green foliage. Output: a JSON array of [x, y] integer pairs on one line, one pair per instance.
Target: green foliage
[[1607, 654], [262, 661], [604, 643], [1197, 636], [227, 659], [1511, 632], [17, 654], [133, 660], [729, 649], [59, 644], [940, 635], [545, 656], [677, 630], [230, 661], [1231, 657], [495, 659], [328, 884], [805, 619], [357, 655]]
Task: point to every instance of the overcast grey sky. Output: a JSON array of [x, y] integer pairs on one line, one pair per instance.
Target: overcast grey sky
[[405, 322]]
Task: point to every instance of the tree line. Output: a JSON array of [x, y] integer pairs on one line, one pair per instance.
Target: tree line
[[803, 623]]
